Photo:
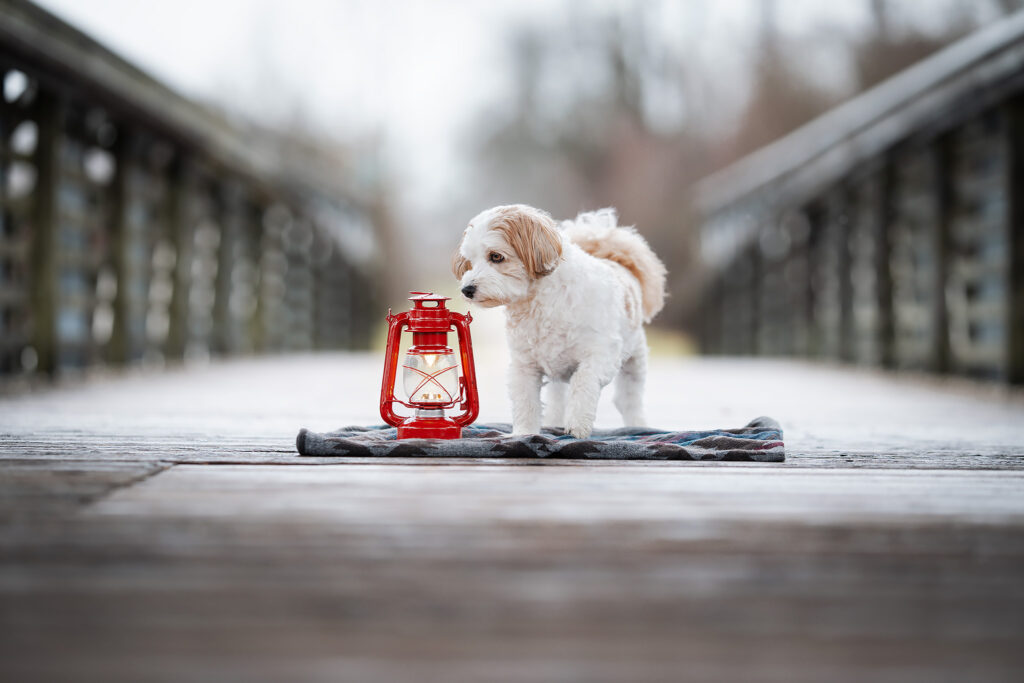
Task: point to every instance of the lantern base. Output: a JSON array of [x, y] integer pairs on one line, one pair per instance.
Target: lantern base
[[429, 428]]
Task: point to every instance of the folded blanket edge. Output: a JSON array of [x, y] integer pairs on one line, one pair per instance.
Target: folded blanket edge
[[302, 445]]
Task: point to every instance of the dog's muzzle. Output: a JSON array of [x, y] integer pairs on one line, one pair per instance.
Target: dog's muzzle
[[468, 291]]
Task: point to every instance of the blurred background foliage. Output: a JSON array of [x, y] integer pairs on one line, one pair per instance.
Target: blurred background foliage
[[433, 111], [638, 115]]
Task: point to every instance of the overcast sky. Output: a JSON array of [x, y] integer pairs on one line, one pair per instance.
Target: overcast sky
[[415, 72]]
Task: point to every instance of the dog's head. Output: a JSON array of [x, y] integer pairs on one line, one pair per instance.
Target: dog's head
[[503, 251]]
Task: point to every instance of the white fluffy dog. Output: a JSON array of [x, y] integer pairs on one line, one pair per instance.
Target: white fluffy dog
[[576, 297]]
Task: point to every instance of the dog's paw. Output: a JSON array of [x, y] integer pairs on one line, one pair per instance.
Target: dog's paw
[[524, 429], [579, 430]]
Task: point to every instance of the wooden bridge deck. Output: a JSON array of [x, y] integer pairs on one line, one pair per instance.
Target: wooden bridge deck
[[160, 527]]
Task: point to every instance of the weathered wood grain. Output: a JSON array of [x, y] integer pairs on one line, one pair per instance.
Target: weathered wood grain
[[35, 488], [488, 572], [889, 547], [251, 410]]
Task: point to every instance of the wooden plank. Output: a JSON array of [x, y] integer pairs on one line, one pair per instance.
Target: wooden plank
[[119, 348], [802, 295], [132, 242], [842, 204], [941, 160], [229, 200], [13, 340], [44, 245], [274, 267], [32, 488], [755, 263], [8, 155], [180, 449], [299, 282], [814, 215], [1014, 112], [496, 573], [251, 410], [864, 314], [182, 230], [702, 497], [914, 260], [881, 550], [17, 204], [12, 296]]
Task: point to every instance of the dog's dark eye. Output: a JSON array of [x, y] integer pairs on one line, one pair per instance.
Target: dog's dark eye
[[495, 257]]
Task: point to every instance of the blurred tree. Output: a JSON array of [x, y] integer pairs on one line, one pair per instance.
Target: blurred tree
[[580, 131], [1009, 6], [886, 49], [589, 147], [782, 98]]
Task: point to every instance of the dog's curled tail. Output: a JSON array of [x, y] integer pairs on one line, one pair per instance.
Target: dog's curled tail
[[599, 234]]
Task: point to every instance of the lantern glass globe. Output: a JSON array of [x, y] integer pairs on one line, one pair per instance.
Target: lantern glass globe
[[431, 378]]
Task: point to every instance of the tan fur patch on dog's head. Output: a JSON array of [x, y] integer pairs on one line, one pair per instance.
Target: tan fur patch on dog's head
[[532, 234]]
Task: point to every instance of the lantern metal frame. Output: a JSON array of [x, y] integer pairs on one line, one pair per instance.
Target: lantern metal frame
[[429, 321]]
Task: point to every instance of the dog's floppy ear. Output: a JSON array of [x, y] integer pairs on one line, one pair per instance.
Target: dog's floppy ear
[[459, 264], [534, 237]]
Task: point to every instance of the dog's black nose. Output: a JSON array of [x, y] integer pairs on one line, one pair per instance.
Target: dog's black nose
[[469, 291]]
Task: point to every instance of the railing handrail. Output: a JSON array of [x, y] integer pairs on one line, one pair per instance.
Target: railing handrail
[[157, 228], [826, 148], [71, 56]]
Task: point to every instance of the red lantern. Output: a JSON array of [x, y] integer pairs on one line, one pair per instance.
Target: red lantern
[[430, 373]]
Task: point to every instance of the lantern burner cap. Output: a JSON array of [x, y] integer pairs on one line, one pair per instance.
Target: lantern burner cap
[[427, 296], [428, 301]]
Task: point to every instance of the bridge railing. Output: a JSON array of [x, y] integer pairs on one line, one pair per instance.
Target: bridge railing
[[137, 225], [888, 232]]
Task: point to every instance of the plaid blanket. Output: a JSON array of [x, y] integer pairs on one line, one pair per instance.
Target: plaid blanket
[[759, 441]]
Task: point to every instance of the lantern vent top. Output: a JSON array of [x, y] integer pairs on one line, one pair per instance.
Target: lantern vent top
[[424, 299]]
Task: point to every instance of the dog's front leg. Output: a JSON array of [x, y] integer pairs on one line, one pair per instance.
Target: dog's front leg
[[554, 409], [524, 384], [584, 391]]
